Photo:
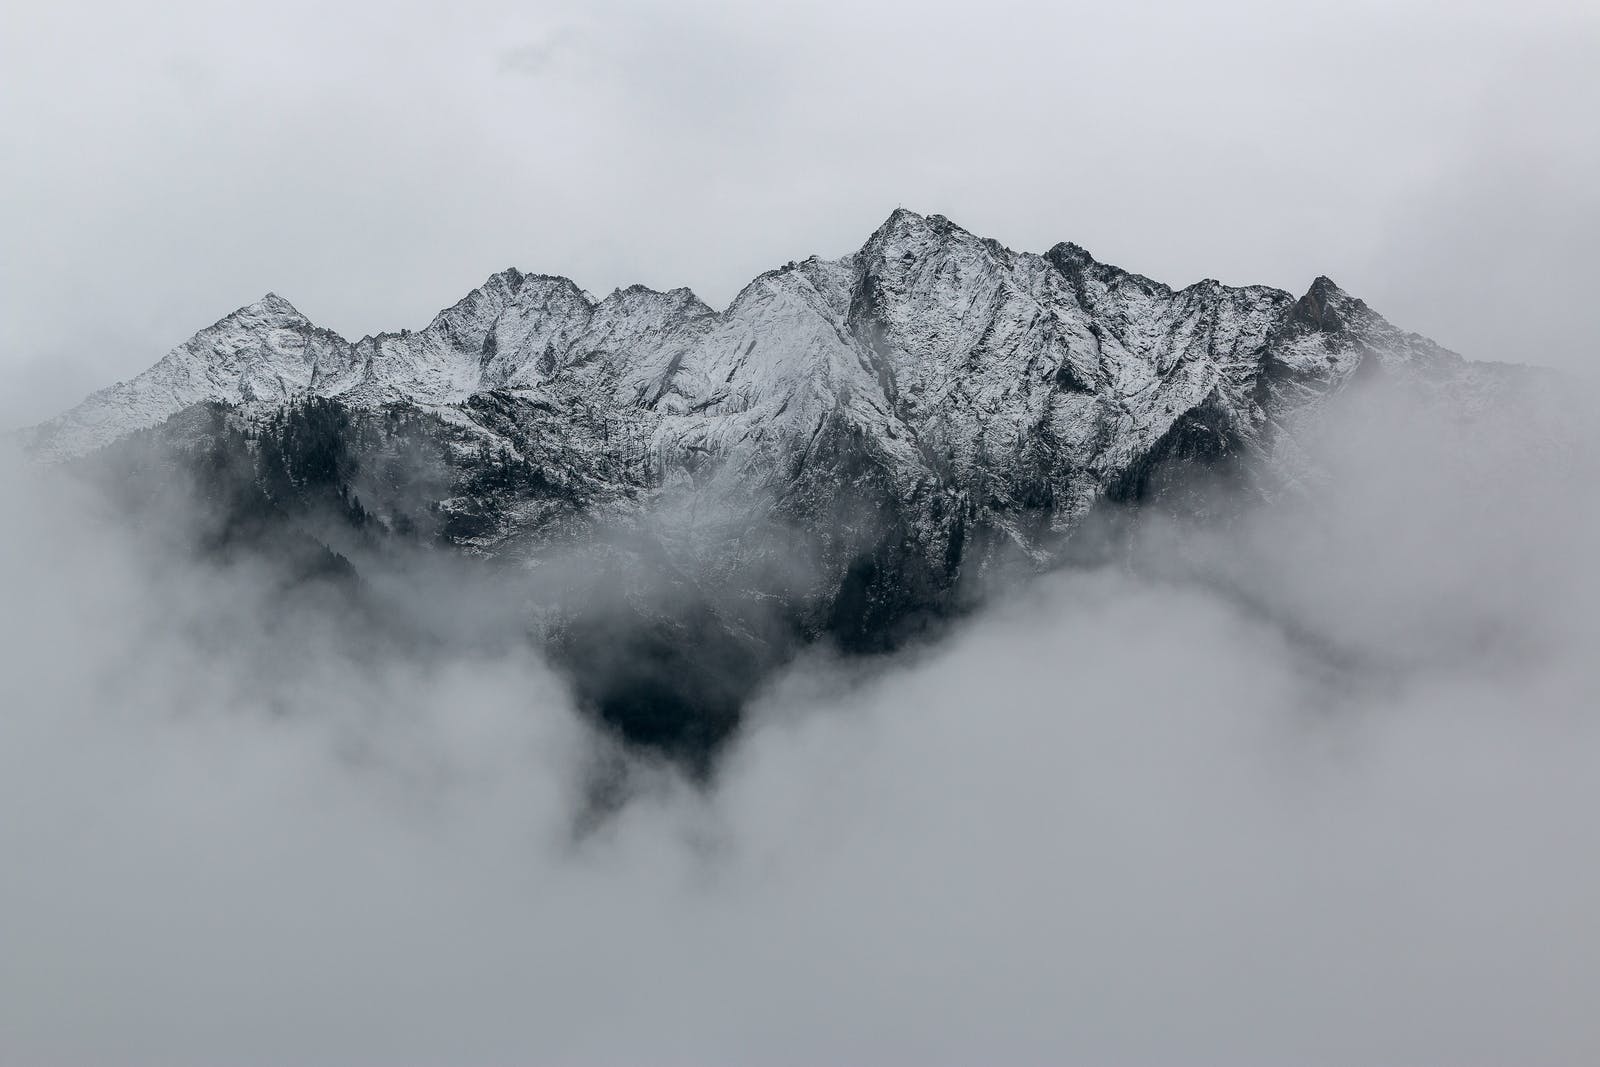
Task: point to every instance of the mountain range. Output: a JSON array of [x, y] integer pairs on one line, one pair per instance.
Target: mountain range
[[849, 452]]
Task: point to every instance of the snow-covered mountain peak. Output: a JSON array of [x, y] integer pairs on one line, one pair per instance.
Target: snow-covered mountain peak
[[1070, 254], [271, 310], [900, 220], [906, 235], [681, 300]]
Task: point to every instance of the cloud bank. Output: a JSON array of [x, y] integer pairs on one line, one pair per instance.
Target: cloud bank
[[1314, 787]]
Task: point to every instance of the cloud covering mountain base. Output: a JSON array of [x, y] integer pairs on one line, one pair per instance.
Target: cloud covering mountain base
[[1313, 786]]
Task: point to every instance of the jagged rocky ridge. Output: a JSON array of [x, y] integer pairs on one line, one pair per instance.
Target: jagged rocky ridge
[[850, 450]]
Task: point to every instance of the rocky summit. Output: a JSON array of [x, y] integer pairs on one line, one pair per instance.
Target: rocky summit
[[852, 450]]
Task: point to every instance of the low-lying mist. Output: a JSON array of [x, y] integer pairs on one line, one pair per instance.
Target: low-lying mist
[[1316, 785]]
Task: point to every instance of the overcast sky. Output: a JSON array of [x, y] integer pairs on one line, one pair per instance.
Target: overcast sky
[[163, 165]]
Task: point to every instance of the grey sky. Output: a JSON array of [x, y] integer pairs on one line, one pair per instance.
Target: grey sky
[[373, 162]]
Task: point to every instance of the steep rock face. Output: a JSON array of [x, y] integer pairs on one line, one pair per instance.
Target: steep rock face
[[848, 450]]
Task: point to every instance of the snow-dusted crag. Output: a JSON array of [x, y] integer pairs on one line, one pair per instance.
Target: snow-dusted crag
[[853, 439]]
